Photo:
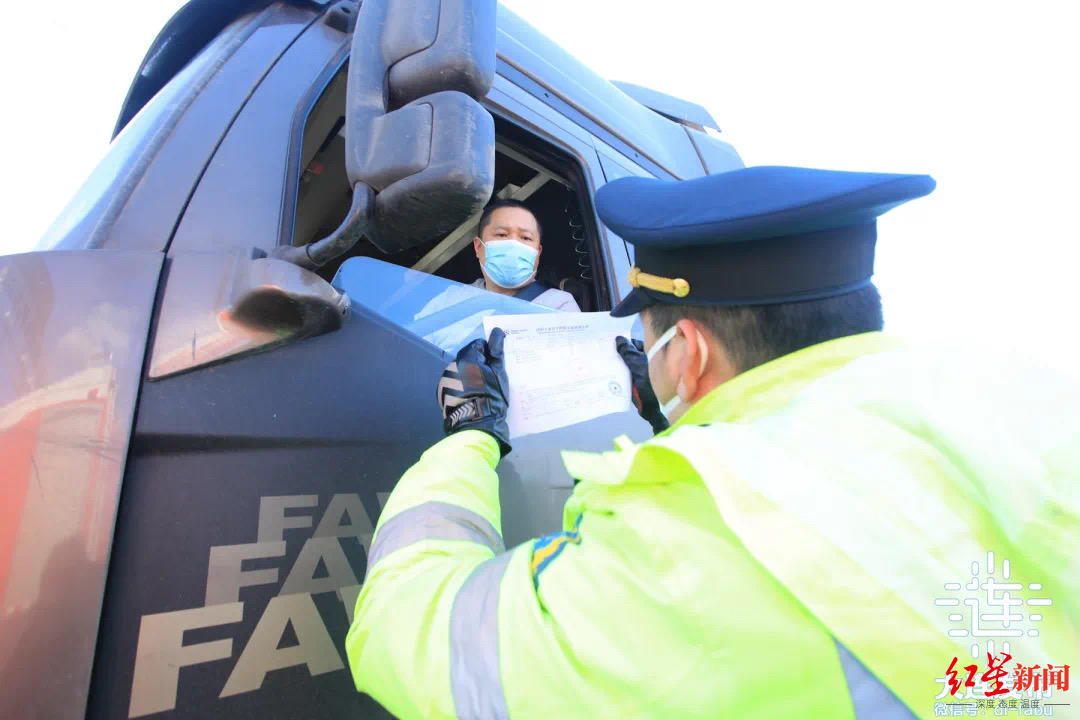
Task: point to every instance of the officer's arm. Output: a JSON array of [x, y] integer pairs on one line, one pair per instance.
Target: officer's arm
[[440, 523], [450, 627]]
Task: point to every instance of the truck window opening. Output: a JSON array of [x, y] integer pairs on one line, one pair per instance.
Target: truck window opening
[[526, 169]]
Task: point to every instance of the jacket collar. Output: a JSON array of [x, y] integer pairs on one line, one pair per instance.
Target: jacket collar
[[766, 388]]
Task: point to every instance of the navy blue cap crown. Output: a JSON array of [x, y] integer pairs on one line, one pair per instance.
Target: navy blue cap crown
[[753, 236]]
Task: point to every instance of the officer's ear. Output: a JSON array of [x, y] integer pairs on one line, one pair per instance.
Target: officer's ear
[[477, 243], [696, 375]]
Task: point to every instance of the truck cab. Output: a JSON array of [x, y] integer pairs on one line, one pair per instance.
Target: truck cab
[[224, 352]]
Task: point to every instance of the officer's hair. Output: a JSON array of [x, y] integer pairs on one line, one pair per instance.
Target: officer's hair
[[485, 219], [753, 335]]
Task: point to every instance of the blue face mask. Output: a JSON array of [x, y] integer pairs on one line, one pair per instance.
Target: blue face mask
[[509, 263]]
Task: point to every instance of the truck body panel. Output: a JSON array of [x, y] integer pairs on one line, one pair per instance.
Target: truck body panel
[[74, 326]]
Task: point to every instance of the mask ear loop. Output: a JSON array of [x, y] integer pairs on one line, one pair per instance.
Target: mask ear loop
[[660, 343], [704, 347]]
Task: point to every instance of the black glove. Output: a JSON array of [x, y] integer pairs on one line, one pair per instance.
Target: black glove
[[473, 390], [648, 407]]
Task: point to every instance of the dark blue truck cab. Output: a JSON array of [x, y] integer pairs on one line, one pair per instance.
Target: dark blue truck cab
[[224, 352]]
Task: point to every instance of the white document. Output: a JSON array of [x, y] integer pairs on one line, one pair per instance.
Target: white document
[[563, 368]]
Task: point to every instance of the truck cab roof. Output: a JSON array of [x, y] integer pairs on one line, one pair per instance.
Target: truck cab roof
[[644, 123]]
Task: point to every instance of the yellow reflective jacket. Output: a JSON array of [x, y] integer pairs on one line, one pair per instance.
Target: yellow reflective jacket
[[785, 550]]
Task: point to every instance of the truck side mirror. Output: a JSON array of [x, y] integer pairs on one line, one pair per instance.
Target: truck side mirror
[[420, 150], [438, 45]]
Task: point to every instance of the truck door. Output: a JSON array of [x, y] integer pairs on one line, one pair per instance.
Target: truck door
[[252, 485], [254, 481]]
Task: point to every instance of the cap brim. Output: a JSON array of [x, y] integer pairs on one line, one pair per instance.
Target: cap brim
[[633, 303]]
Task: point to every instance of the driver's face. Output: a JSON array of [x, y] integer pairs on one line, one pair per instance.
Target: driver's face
[[511, 223]]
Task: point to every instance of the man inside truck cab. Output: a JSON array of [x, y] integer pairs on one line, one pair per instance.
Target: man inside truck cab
[[508, 248]]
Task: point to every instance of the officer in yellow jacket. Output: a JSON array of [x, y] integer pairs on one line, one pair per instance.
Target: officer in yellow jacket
[[781, 550]]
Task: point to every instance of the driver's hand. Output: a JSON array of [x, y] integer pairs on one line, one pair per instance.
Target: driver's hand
[[648, 407], [473, 390]]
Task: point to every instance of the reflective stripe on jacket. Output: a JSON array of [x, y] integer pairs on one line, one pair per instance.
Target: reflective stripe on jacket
[[776, 553]]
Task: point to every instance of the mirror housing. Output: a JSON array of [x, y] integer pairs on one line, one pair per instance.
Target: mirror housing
[[454, 138], [431, 161], [441, 45], [420, 150]]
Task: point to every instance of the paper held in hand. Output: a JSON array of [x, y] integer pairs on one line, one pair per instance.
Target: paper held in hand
[[563, 368]]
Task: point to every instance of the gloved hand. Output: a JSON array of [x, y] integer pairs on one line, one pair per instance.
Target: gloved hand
[[473, 390], [648, 407]]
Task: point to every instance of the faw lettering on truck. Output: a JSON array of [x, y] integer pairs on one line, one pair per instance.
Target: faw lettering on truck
[[321, 567]]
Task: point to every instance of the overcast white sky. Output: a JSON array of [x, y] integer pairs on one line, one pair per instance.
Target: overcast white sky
[[982, 95]]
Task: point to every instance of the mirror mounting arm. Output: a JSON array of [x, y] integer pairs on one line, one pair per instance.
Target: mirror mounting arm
[[356, 224]]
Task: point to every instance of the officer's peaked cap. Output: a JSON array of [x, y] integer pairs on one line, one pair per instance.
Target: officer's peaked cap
[[753, 236]]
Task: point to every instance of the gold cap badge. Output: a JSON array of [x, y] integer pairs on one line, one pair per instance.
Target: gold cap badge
[[678, 287]]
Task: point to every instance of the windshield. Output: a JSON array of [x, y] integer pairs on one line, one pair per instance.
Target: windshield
[[446, 313]]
